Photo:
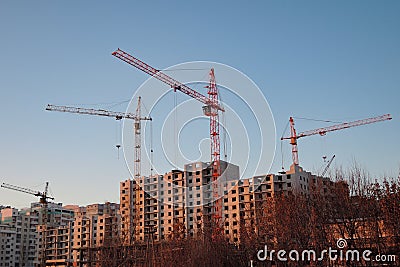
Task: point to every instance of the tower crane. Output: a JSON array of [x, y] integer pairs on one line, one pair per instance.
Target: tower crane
[[322, 131], [43, 199], [211, 109], [327, 166], [118, 116]]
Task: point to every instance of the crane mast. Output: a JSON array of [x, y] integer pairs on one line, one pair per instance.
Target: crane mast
[[43, 199], [212, 112], [322, 131], [138, 142], [211, 109]]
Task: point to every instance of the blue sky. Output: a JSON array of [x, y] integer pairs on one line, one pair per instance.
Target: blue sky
[[336, 60]]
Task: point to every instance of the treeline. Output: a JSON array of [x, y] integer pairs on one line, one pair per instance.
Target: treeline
[[354, 207]]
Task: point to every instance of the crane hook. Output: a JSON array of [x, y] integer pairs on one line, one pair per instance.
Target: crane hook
[[118, 147]]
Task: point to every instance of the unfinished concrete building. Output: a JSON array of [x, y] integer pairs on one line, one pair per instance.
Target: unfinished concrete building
[[180, 203], [94, 226], [176, 204]]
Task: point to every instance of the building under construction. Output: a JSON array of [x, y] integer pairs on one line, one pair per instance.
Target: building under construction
[[180, 203]]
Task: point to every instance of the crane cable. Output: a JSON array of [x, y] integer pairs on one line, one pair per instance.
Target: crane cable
[[224, 132], [151, 139], [283, 133], [308, 119], [175, 130], [118, 133], [151, 148]]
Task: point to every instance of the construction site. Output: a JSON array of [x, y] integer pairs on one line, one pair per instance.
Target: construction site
[[199, 133], [205, 213]]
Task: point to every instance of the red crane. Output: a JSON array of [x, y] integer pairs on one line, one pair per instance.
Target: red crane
[[322, 131], [211, 109]]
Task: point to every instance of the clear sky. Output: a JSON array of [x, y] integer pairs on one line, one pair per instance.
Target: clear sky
[[332, 60]]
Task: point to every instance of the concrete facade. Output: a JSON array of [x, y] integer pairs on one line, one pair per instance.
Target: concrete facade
[[18, 237], [180, 203], [176, 204], [94, 226]]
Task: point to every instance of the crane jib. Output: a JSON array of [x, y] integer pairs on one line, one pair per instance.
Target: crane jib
[[176, 85]]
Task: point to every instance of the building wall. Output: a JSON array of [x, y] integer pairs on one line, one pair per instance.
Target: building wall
[[176, 204], [59, 246], [94, 226], [8, 242], [19, 236]]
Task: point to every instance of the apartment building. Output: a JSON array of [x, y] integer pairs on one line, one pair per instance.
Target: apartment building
[[94, 226], [8, 236], [59, 245], [18, 237], [173, 205], [152, 205], [181, 203], [58, 234], [56, 214]]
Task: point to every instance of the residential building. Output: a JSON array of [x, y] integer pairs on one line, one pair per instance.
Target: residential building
[[94, 226], [175, 204], [19, 237]]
